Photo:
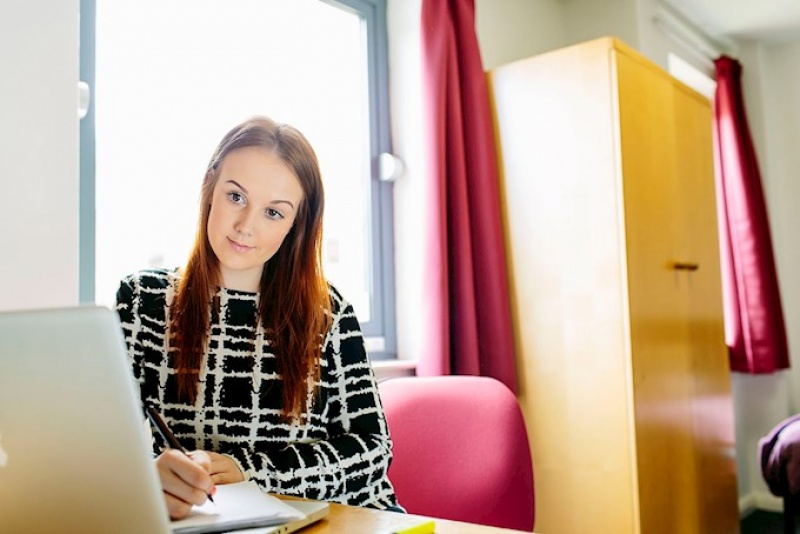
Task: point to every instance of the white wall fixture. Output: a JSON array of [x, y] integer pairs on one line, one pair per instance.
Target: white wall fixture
[[84, 97], [391, 167]]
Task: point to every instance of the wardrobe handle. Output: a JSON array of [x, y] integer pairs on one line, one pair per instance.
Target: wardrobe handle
[[685, 266]]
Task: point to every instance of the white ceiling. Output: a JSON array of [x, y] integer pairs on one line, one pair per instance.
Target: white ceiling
[[763, 20]]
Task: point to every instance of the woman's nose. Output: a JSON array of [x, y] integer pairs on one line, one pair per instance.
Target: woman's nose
[[246, 222]]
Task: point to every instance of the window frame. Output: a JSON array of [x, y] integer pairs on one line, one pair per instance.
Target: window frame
[[380, 331]]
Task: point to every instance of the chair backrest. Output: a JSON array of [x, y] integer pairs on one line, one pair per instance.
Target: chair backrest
[[460, 450]]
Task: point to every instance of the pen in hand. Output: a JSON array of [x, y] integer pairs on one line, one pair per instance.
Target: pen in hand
[[165, 433]]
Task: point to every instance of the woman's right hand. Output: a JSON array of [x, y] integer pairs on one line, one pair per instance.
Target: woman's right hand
[[185, 480]]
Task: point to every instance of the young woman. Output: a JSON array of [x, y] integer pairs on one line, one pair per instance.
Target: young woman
[[252, 358]]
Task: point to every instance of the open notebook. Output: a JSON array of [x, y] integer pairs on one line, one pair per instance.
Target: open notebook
[[73, 454], [244, 506]]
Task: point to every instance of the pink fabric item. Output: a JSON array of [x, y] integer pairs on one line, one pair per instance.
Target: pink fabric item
[[466, 312], [779, 452], [754, 326], [461, 451]]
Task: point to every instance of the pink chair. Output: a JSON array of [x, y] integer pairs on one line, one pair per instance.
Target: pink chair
[[460, 450]]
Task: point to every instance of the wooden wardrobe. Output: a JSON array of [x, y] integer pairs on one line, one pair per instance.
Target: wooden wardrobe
[[609, 207]]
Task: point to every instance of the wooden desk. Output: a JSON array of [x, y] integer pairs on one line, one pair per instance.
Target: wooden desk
[[354, 520]]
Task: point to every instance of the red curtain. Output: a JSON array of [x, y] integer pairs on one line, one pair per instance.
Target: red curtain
[[754, 327], [467, 310]]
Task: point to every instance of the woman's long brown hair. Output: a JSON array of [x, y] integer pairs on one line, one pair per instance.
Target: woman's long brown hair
[[294, 304]]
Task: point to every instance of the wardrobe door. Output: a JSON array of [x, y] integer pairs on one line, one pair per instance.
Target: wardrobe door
[[661, 368], [712, 411], [561, 193]]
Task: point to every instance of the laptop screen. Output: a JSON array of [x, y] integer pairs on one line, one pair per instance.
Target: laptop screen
[[75, 457]]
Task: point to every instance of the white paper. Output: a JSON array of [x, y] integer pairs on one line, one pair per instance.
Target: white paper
[[236, 504]]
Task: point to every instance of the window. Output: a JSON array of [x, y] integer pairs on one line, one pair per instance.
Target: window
[[169, 78], [691, 76]]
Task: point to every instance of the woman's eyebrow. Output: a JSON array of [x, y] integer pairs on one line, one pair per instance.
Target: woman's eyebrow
[[240, 186], [282, 202], [237, 184]]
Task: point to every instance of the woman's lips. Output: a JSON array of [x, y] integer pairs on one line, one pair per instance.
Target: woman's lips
[[238, 247]]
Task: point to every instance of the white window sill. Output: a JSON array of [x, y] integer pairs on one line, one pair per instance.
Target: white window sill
[[385, 369]]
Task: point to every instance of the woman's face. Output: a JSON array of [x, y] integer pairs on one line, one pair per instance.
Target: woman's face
[[253, 207]]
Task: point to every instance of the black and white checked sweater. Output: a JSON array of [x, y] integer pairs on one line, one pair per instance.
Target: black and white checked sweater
[[340, 452]]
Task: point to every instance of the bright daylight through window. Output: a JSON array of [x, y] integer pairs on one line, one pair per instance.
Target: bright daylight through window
[[172, 77]]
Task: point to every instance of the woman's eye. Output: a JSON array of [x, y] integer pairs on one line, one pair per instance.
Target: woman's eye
[[274, 214], [236, 198]]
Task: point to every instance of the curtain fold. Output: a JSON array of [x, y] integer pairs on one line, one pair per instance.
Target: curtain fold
[[754, 325], [467, 309]]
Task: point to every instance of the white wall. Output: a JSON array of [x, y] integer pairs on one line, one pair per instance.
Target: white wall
[[781, 161], [38, 153], [771, 85], [513, 29], [590, 19]]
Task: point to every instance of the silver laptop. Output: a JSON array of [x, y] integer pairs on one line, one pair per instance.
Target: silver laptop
[[73, 454], [313, 510]]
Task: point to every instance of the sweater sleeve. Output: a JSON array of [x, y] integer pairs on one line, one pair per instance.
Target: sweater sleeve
[[125, 305], [139, 304], [350, 465]]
